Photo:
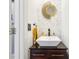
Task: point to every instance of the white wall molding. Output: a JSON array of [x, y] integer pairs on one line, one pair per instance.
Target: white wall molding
[[21, 29], [17, 26]]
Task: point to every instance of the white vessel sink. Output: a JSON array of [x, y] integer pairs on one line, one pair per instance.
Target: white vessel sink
[[48, 40]]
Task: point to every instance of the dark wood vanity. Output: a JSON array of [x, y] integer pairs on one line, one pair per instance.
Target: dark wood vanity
[[59, 52]]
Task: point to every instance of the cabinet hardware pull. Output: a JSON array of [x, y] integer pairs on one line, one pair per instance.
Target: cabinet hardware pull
[[57, 55], [38, 55]]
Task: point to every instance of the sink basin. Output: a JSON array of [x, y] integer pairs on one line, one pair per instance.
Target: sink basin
[[48, 40]]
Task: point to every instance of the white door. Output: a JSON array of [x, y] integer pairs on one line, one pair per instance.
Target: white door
[[14, 37]]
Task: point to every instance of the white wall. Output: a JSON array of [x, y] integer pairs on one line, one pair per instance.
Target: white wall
[[65, 22], [35, 16], [58, 24]]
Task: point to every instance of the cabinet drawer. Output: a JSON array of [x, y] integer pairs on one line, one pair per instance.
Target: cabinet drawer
[[38, 51], [57, 56], [56, 51]]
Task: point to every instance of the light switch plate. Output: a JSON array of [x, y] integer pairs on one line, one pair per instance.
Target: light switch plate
[[29, 27]]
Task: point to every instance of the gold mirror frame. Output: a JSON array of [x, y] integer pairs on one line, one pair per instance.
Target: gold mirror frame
[[49, 10]]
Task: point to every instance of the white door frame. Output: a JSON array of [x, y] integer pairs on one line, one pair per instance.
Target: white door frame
[[16, 54], [19, 42], [19, 25], [22, 29]]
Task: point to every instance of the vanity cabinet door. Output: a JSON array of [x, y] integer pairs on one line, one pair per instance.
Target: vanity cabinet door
[[57, 54], [54, 56], [38, 56]]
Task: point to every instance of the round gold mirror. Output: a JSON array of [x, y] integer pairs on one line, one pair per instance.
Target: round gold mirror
[[49, 10]]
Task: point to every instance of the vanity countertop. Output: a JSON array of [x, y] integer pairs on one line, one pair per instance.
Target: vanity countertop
[[60, 46]]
